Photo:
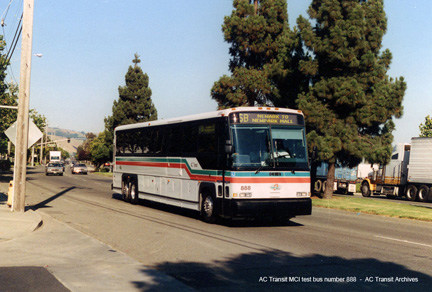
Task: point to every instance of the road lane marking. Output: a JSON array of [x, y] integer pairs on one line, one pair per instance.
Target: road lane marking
[[404, 241]]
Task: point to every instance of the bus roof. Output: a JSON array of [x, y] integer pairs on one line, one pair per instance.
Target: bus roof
[[207, 115]]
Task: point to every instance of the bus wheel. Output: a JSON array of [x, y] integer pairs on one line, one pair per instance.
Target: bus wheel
[[208, 208], [125, 190], [411, 193], [365, 190], [423, 193], [133, 192]]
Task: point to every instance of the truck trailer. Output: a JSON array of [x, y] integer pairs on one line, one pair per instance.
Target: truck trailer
[[346, 178], [54, 156], [408, 173]]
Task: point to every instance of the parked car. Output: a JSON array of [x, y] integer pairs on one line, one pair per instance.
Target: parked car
[[79, 168], [54, 168]]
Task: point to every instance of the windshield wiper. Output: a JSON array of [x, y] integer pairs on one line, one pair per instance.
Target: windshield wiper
[[259, 169]]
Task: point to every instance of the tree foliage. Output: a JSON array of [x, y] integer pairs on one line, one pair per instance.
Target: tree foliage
[[134, 104], [81, 153], [9, 98], [351, 102], [100, 152], [8, 116], [426, 128], [263, 52]]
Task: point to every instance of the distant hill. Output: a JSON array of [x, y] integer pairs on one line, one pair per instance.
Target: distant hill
[[66, 133], [61, 135]]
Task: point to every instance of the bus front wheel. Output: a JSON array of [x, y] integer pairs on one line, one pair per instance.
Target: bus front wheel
[[208, 208]]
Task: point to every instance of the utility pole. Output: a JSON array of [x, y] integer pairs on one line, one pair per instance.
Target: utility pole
[[20, 168]]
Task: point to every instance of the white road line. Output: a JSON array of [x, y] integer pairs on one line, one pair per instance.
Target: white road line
[[404, 241]]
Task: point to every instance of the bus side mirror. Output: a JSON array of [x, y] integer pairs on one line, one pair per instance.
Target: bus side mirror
[[228, 147]]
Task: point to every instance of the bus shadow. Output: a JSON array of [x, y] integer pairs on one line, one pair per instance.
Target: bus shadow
[[232, 223], [277, 270]]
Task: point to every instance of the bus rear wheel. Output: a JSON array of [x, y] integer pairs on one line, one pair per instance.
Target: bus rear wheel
[[125, 190], [133, 193], [208, 208]]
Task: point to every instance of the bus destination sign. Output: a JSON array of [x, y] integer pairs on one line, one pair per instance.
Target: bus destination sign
[[267, 118]]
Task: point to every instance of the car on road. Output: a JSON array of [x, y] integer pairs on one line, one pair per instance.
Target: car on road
[[79, 168], [54, 168]]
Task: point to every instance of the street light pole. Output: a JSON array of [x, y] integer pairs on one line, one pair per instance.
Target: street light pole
[[20, 168]]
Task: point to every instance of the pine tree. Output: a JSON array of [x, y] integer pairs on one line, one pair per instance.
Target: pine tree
[[262, 48], [426, 128], [134, 104], [351, 103]]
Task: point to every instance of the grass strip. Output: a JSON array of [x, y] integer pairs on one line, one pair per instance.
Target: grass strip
[[377, 207], [107, 174]]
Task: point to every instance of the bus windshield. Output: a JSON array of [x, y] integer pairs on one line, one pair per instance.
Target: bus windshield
[[269, 146]]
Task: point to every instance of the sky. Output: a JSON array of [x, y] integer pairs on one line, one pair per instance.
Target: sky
[[87, 47]]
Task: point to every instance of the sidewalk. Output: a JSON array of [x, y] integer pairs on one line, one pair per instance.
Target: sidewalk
[[32, 243]]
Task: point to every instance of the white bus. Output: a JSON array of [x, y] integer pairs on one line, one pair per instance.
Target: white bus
[[233, 163]]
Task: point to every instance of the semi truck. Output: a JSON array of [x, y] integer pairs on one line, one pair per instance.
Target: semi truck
[[54, 156], [346, 178], [408, 174]]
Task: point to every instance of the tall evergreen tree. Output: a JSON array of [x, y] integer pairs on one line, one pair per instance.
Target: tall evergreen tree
[[351, 102], [262, 49], [134, 104]]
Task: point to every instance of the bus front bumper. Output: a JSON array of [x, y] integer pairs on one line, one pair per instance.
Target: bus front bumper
[[281, 207]]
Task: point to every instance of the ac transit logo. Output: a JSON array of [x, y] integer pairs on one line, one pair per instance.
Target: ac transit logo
[[275, 187]]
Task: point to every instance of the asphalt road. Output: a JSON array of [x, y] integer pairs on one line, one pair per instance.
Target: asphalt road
[[329, 250]]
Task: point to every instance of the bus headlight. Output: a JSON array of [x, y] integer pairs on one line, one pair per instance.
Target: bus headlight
[[302, 194], [245, 195]]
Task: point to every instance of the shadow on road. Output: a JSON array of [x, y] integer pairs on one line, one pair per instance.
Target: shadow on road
[[274, 270], [252, 222], [44, 203]]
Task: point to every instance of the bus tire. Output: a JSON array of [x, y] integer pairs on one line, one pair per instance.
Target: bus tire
[[208, 208], [133, 192], [411, 193], [125, 190], [423, 193], [365, 190]]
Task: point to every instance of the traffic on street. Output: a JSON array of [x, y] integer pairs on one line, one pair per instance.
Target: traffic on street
[[329, 249]]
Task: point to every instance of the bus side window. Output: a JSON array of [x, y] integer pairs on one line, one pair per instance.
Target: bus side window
[[175, 141], [189, 140]]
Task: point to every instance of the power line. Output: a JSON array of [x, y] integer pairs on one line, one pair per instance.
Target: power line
[[10, 21], [5, 13], [15, 40]]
